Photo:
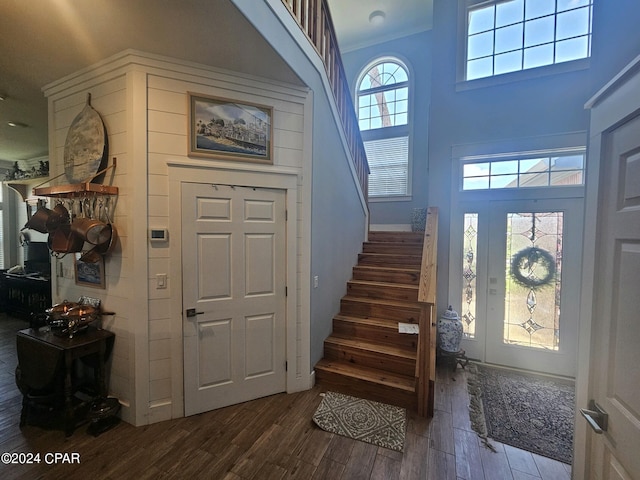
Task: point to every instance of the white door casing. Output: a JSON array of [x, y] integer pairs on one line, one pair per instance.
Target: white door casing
[[234, 294]]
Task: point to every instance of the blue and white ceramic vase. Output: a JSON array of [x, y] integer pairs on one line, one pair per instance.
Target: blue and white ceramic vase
[[449, 331]]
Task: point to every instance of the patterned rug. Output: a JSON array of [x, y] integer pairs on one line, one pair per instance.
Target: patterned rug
[[372, 422], [527, 411]]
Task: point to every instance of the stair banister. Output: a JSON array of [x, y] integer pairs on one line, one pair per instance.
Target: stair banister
[[426, 361], [314, 19]]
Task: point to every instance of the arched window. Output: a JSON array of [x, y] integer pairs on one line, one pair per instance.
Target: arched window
[[383, 117]]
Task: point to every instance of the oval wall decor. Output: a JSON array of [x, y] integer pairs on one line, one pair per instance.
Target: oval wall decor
[[85, 149]]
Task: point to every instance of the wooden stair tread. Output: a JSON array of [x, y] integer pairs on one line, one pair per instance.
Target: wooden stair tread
[[392, 246], [391, 269], [375, 322], [382, 301], [406, 275], [368, 346], [389, 379], [407, 237], [390, 255], [374, 283]]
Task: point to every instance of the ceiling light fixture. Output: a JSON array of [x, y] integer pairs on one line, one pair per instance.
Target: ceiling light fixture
[[377, 18], [11, 123]]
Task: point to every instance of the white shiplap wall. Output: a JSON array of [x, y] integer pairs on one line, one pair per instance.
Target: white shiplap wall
[[109, 99], [143, 100]]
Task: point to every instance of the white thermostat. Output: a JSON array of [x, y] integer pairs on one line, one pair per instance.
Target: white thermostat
[[158, 235]]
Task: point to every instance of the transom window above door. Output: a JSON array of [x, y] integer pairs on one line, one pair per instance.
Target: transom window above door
[[526, 170], [504, 36], [383, 116]]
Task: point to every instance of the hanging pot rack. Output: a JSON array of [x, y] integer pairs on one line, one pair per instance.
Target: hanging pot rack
[[76, 189]]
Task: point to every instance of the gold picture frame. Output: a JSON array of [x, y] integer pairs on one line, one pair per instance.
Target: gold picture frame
[[89, 274], [230, 129]]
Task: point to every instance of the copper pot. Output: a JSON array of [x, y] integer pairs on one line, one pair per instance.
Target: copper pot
[[64, 240], [55, 312], [91, 230], [59, 216], [94, 254], [38, 220]]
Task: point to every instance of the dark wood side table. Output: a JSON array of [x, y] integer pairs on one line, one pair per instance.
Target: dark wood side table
[[93, 342]]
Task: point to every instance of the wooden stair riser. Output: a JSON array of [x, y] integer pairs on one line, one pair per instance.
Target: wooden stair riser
[[389, 275], [381, 334], [399, 261], [406, 293], [397, 237], [389, 248], [396, 313], [364, 389], [369, 358]]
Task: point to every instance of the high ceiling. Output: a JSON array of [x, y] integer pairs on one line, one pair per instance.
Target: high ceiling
[[42, 41], [355, 29]]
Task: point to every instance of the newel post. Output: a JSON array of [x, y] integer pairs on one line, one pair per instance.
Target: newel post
[[426, 362]]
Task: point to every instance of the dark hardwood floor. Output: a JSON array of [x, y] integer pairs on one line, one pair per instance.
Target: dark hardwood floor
[[270, 438]]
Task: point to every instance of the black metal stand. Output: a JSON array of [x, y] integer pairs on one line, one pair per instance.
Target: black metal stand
[[453, 358]]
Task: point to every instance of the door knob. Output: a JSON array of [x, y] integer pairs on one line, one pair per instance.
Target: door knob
[[191, 312], [597, 418]]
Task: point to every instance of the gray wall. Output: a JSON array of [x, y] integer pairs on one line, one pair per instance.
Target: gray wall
[[616, 38], [337, 230], [415, 51]]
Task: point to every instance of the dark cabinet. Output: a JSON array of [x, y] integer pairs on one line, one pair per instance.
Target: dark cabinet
[[22, 295]]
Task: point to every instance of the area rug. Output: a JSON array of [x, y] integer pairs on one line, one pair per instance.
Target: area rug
[[527, 411], [365, 420]]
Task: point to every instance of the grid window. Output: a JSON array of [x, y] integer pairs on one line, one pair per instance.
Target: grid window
[[512, 35], [383, 118], [525, 172], [383, 96]]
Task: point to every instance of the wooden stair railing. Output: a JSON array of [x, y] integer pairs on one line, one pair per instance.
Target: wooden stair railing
[[314, 19], [426, 358]]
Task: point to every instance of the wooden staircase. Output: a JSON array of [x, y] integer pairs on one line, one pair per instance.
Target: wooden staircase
[[365, 355]]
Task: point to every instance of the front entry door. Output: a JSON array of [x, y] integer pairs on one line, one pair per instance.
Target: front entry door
[[233, 257], [534, 271], [520, 283]]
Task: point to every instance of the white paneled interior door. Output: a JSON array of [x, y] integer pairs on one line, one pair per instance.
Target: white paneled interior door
[[615, 356], [234, 294]]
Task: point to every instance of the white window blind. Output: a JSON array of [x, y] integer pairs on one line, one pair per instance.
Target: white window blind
[[389, 164]]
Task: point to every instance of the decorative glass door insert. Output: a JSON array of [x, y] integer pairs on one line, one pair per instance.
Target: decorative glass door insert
[[469, 275], [533, 279]]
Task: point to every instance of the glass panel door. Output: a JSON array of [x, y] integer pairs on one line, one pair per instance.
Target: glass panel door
[[518, 283]]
